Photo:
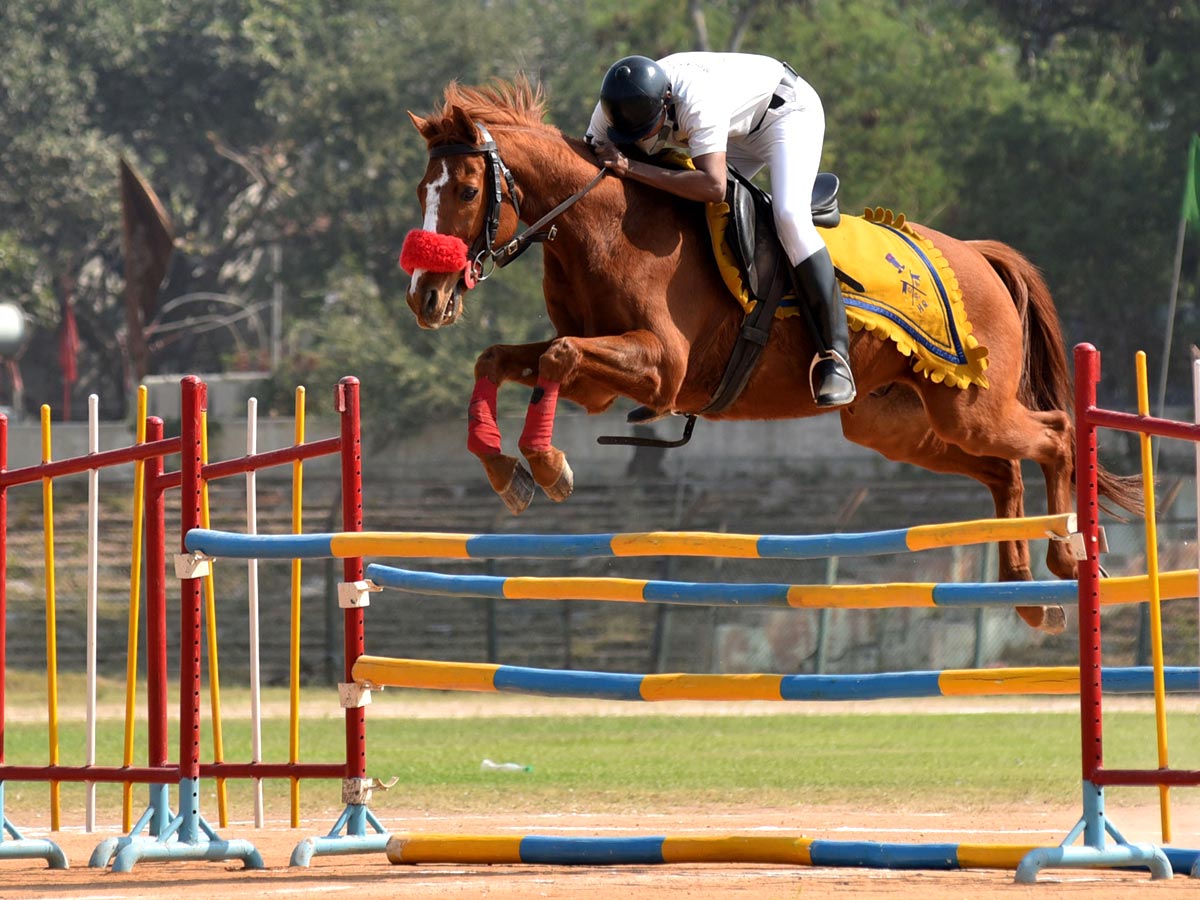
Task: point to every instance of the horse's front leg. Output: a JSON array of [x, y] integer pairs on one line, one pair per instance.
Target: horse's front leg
[[592, 372], [496, 365]]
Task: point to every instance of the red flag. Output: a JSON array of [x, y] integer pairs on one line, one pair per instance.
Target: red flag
[[68, 342], [68, 347]]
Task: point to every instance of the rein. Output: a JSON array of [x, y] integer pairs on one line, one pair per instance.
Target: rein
[[484, 248], [533, 234]]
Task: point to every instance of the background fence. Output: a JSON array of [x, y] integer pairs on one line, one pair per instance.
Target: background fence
[[614, 637]]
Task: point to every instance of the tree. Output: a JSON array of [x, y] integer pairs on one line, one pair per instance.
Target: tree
[[1059, 127]]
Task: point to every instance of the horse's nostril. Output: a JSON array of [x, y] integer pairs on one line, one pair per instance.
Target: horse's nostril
[[431, 304]]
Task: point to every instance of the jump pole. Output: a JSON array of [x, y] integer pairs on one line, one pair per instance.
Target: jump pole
[[1094, 826], [372, 672], [376, 672], [13, 844], [356, 830], [186, 836]]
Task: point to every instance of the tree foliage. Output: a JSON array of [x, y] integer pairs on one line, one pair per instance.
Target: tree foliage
[[1060, 127]]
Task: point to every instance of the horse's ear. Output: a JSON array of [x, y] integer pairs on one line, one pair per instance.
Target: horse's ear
[[464, 125], [424, 126]]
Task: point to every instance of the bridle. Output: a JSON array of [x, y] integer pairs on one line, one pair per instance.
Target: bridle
[[498, 174], [483, 249]]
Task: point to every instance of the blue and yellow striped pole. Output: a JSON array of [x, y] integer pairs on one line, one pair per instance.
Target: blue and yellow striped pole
[[790, 850], [379, 671], [653, 543], [904, 595]]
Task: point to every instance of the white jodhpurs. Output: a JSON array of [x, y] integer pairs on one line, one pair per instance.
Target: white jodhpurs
[[789, 144]]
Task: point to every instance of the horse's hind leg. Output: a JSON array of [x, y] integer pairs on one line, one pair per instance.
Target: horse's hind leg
[[1007, 429], [907, 437], [1059, 474], [1016, 432]]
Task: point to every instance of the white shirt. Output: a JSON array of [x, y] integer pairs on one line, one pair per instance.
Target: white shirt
[[715, 98]]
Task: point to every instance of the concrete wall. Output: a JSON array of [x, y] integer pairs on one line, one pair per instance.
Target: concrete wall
[[717, 449]]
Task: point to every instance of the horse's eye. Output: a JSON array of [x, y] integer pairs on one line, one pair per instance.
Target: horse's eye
[[469, 194]]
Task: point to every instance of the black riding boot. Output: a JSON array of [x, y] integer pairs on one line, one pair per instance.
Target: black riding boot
[[829, 375]]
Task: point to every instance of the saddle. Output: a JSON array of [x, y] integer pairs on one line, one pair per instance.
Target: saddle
[[751, 233], [751, 236], [911, 296]]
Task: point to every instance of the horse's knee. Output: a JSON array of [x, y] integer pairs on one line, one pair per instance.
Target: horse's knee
[[487, 365], [561, 358]]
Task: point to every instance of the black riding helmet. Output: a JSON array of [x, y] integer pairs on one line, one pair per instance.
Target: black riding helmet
[[632, 96]]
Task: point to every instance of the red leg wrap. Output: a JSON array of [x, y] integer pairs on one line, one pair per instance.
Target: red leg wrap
[[483, 432], [539, 420]]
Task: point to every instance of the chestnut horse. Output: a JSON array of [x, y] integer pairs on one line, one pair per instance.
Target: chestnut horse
[[640, 311]]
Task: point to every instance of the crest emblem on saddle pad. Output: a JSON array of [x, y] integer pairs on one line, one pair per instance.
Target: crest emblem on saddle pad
[[910, 294]]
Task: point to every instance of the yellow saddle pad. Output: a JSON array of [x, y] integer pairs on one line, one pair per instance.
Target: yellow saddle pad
[[910, 294]]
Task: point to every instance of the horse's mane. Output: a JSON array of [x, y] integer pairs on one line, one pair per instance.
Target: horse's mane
[[500, 102]]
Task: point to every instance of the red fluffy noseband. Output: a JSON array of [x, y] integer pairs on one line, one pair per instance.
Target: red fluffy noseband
[[433, 252]]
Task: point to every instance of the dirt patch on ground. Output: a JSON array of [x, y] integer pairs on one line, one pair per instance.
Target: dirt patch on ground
[[446, 705], [372, 877]]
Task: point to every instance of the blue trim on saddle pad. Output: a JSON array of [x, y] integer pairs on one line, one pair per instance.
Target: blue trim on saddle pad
[[941, 290], [879, 308]]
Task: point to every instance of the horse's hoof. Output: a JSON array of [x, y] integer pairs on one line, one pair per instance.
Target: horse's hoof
[[518, 493], [563, 485], [1054, 621], [1047, 619]]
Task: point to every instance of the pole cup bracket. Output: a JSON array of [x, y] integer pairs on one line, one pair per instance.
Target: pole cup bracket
[[355, 594], [192, 565]]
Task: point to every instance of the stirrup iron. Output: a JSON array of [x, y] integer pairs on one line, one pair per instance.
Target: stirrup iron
[[835, 357]]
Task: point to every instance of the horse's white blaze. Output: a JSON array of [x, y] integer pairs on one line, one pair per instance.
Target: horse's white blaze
[[433, 197]]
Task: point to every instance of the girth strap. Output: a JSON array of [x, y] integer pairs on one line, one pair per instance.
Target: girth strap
[[755, 331]]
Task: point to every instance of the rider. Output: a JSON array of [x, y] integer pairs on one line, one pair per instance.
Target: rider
[[746, 111]]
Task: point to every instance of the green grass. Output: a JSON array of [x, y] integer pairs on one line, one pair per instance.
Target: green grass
[[652, 762]]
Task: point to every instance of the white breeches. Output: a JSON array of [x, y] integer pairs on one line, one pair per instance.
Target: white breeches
[[789, 144]]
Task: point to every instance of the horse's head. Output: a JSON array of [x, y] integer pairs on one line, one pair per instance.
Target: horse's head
[[462, 194]]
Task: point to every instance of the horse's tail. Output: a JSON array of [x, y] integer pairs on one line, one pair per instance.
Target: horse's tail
[[1046, 382]]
